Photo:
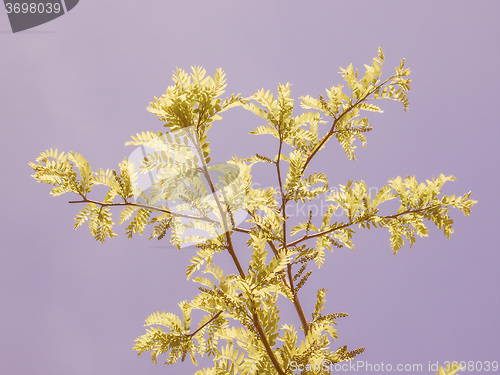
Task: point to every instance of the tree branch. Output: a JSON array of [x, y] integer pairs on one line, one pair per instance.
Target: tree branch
[[308, 237], [337, 119], [152, 208], [289, 278], [231, 251], [204, 325]]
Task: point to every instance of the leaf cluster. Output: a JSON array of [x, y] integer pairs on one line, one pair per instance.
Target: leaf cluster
[[196, 203]]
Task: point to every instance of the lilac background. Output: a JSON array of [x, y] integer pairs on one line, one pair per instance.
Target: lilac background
[[70, 305]]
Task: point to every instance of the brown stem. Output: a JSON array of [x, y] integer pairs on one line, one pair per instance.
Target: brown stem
[[152, 208], [337, 119], [225, 226], [296, 302], [269, 351], [242, 230], [308, 237], [288, 279], [231, 251], [204, 325]]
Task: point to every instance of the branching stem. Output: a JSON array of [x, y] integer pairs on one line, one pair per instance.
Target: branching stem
[[255, 318], [308, 237], [205, 324], [289, 278], [152, 208], [337, 119]]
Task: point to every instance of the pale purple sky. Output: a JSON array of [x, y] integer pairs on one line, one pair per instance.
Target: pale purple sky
[[70, 305]]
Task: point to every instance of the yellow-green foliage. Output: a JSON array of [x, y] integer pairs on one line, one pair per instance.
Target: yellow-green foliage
[[196, 203], [451, 369]]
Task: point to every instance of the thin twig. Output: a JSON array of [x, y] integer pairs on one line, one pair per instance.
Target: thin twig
[[207, 323], [308, 237], [152, 208], [255, 318]]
